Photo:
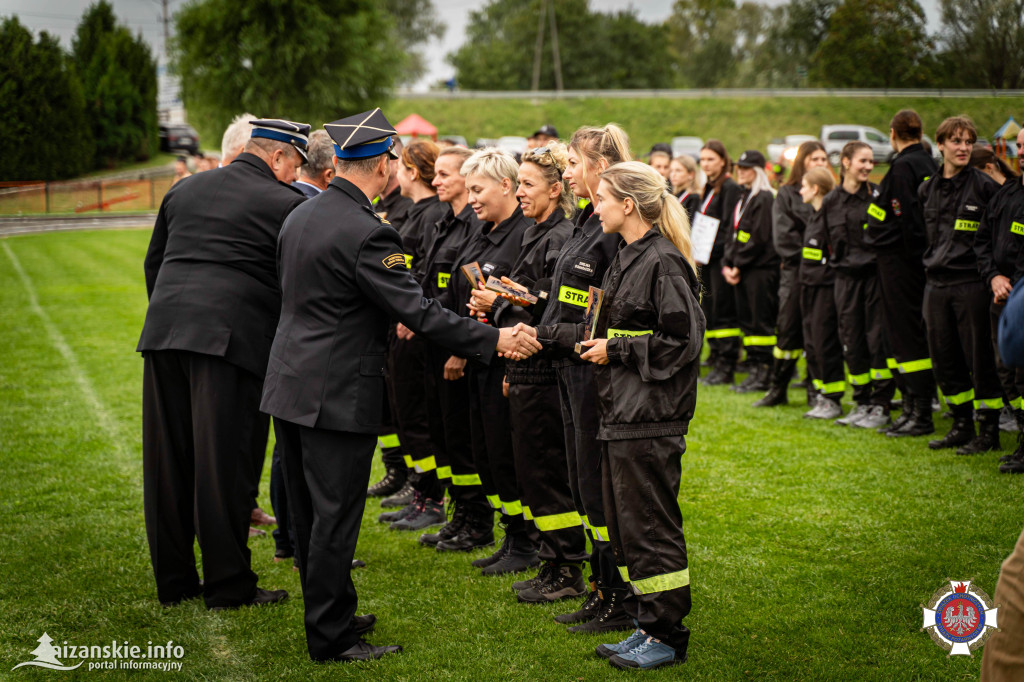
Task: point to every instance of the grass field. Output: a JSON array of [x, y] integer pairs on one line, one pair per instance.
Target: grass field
[[812, 548]]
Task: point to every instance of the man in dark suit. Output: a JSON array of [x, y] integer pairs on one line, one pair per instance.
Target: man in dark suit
[[343, 281], [214, 301], [318, 171]]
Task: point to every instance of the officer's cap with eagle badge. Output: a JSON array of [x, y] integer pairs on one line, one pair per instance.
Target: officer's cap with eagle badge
[[295, 134], [362, 136]]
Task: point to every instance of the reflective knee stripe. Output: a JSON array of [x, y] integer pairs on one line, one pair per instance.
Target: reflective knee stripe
[[597, 532], [891, 363], [661, 583], [817, 384], [879, 374], [466, 479], [494, 501], [988, 404], [860, 379], [389, 441], [722, 333], [759, 340], [786, 354], [444, 472], [511, 508], [408, 461], [624, 572], [834, 387], [527, 514], [551, 522], [960, 398], [424, 465], [915, 366], [1017, 403]]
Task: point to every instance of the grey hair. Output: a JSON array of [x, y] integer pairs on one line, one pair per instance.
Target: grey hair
[[357, 166], [236, 135], [761, 182], [319, 154]]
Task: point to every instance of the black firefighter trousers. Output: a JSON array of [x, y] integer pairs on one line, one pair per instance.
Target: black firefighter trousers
[[719, 305], [641, 488], [858, 301], [821, 341], [407, 395], [901, 279], [757, 307]]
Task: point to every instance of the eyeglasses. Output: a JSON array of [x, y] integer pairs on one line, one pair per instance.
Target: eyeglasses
[[544, 150]]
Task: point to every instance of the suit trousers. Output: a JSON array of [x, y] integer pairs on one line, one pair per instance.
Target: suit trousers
[[901, 280], [200, 418], [538, 440], [719, 306], [577, 392], [821, 341], [1003, 656], [757, 308], [858, 301], [327, 473], [407, 395], [641, 493], [960, 343], [1011, 378]]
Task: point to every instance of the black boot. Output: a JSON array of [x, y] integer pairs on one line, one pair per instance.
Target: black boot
[[1014, 463], [988, 434], [756, 381], [611, 615], [586, 611], [521, 555], [921, 424], [776, 395], [392, 482], [447, 531], [1018, 415], [906, 415], [959, 434], [498, 555], [722, 375], [478, 531], [763, 382]]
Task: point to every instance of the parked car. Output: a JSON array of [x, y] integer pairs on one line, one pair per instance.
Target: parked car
[[513, 144], [834, 137], [482, 142], [687, 146], [178, 137], [933, 148], [783, 149]]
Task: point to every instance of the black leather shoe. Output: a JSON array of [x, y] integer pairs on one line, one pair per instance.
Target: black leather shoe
[[262, 597], [775, 396], [358, 563], [986, 440], [363, 651], [192, 594], [363, 624], [959, 434]]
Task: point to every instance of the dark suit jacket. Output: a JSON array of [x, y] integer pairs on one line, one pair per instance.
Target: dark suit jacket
[[308, 190], [343, 279], [211, 269]]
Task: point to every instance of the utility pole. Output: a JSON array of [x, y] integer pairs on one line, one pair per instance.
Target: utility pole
[[538, 48], [554, 46], [167, 23]]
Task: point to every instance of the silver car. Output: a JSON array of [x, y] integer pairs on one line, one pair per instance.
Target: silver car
[[835, 137]]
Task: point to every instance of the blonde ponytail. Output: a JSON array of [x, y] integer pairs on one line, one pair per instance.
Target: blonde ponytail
[[609, 143]]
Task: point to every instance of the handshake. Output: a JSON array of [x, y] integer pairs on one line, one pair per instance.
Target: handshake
[[518, 342]]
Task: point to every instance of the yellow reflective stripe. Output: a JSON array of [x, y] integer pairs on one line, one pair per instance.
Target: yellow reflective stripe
[[817, 383], [550, 522], [811, 254], [881, 374], [722, 333], [574, 297], [622, 333], [1017, 228], [760, 340], [876, 212], [891, 363], [915, 366], [742, 237], [1017, 403], [442, 279], [960, 398], [624, 572], [527, 514], [466, 479], [444, 472], [389, 441], [408, 460], [424, 465], [989, 404], [661, 583], [494, 501], [860, 379], [408, 261], [511, 508], [834, 387], [598, 532], [787, 354], [966, 225]]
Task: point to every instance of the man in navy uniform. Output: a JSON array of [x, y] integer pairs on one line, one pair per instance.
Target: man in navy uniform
[[343, 281], [214, 300]]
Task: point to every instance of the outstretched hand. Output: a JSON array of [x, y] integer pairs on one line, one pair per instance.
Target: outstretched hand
[[517, 343]]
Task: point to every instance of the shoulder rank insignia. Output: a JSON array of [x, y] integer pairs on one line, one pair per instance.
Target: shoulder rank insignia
[[375, 215], [394, 260]]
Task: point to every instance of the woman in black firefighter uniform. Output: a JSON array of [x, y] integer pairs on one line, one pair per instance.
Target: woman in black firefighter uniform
[[857, 296], [649, 335], [751, 266], [581, 264], [956, 300], [682, 173], [491, 180], [789, 219], [406, 360], [538, 435], [999, 246], [818, 304], [719, 300]]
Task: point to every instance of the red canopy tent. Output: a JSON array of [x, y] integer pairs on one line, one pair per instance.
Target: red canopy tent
[[416, 125]]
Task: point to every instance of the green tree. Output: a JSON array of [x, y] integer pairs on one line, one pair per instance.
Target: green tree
[[875, 44], [119, 80], [597, 50], [702, 39], [309, 61], [984, 42], [45, 135], [415, 23]]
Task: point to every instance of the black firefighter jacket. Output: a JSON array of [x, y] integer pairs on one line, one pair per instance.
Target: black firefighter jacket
[[999, 243], [845, 218], [953, 209], [895, 218], [814, 269], [789, 220], [211, 268], [343, 279], [416, 232], [652, 318], [720, 203], [750, 245], [449, 236]]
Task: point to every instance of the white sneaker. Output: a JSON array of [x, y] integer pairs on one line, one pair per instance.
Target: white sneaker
[[876, 417], [828, 409], [854, 416]]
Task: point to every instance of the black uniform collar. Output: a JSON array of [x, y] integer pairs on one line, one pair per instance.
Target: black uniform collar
[[351, 190], [864, 193], [467, 213], [538, 230], [957, 180], [256, 162], [496, 235], [630, 252], [584, 215], [916, 147], [423, 204]]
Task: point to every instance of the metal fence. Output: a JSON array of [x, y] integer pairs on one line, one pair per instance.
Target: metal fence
[[704, 93], [84, 196]]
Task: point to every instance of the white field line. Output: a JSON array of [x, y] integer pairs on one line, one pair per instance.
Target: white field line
[[103, 416]]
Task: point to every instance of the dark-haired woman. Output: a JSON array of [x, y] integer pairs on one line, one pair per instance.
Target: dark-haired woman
[[719, 299], [789, 219]]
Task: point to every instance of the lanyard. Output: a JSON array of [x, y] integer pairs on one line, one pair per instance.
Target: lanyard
[[704, 207], [686, 193], [741, 206]]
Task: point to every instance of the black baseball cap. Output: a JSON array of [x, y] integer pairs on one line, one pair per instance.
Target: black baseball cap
[[751, 159], [546, 129]]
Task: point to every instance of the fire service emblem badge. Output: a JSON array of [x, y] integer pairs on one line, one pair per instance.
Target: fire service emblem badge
[[960, 617]]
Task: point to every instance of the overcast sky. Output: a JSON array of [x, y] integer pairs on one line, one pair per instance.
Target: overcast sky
[[60, 17]]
